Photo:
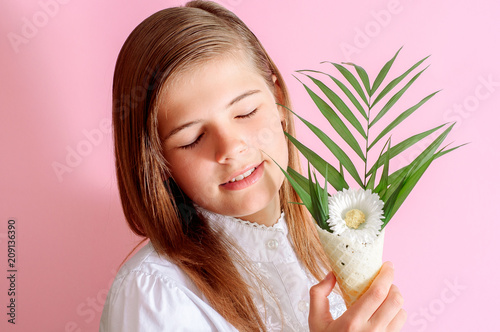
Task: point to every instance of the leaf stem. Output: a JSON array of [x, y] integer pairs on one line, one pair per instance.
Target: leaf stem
[[367, 137]]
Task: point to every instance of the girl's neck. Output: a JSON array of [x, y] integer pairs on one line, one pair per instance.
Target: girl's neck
[[268, 216]]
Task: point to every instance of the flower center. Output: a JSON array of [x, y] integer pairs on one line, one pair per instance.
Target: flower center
[[354, 218]]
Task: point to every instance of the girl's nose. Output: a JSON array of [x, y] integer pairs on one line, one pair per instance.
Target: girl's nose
[[230, 144]]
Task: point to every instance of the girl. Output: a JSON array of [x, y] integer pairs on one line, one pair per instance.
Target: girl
[[197, 131]]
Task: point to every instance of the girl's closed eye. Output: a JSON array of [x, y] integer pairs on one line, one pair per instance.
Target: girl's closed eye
[[192, 145], [252, 113]]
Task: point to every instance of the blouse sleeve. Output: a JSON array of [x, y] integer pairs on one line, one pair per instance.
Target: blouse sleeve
[[146, 302]]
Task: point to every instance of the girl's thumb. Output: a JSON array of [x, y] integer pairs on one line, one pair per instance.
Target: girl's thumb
[[319, 309]]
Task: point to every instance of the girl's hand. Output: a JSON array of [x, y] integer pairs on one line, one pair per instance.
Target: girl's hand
[[379, 309]]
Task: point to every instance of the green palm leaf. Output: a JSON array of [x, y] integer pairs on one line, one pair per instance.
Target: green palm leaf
[[383, 73], [397, 177], [319, 199], [352, 80], [362, 75], [395, 82], [340, 105], [335, 179], [395, 98], [305, 197], [400, 119], [344, 89], [403, 192], [300, 179], [392, 188], [442, 153], [371, 181], [407, 143], [334, 148], [336, 122], [384, 180]]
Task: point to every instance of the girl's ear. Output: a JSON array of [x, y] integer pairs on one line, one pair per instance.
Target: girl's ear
[[278, 96]]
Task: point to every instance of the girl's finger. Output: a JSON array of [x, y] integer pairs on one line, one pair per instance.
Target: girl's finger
[[369, 302], [389, 308], [319, 308], [397, 323]]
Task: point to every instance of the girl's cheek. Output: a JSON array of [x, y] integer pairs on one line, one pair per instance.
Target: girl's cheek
[[268, 131], [198, 198], [275, 124], [265, 137]]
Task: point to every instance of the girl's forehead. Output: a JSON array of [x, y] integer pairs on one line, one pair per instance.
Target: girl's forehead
[[210, 85], [188, 71], [217, 72]]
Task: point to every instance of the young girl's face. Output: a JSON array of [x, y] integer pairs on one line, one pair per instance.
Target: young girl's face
[[220, 122]]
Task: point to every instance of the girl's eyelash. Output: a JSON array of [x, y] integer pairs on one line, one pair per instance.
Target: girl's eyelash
[[252, 113], [192, 145]]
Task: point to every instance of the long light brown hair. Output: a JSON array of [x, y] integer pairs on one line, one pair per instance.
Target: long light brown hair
[[167, 43]]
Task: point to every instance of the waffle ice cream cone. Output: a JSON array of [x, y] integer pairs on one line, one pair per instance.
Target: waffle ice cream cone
[[354, 264]]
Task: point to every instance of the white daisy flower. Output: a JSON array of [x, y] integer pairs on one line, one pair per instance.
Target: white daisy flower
[[356, 214]]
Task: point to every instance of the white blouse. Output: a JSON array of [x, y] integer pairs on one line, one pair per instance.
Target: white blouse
[[150, 293]]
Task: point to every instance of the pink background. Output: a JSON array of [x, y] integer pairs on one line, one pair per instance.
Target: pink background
[[55, 91]]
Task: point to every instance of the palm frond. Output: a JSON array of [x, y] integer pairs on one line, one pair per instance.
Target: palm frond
[[393, 188]]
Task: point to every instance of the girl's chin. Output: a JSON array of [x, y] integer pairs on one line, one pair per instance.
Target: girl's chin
[[263, 211]]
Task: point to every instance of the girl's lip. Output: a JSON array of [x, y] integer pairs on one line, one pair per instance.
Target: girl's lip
[[240, 172], [246, 182]]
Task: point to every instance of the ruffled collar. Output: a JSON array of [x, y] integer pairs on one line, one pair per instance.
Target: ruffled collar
[[279, 225], [258, 242]]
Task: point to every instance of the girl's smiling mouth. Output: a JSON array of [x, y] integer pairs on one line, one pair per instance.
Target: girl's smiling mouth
[[245, 179], [242, 176]]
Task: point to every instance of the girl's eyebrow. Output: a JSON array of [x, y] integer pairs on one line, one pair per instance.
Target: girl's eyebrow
[[231, 103], [243, 95], [176, 130]]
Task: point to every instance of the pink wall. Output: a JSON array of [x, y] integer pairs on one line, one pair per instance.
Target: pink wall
[[55, 91]]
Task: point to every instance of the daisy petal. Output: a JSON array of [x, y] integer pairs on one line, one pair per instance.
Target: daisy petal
[[360, 204]]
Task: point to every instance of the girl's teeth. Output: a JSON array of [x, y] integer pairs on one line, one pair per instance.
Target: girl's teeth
[[242, 176]]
